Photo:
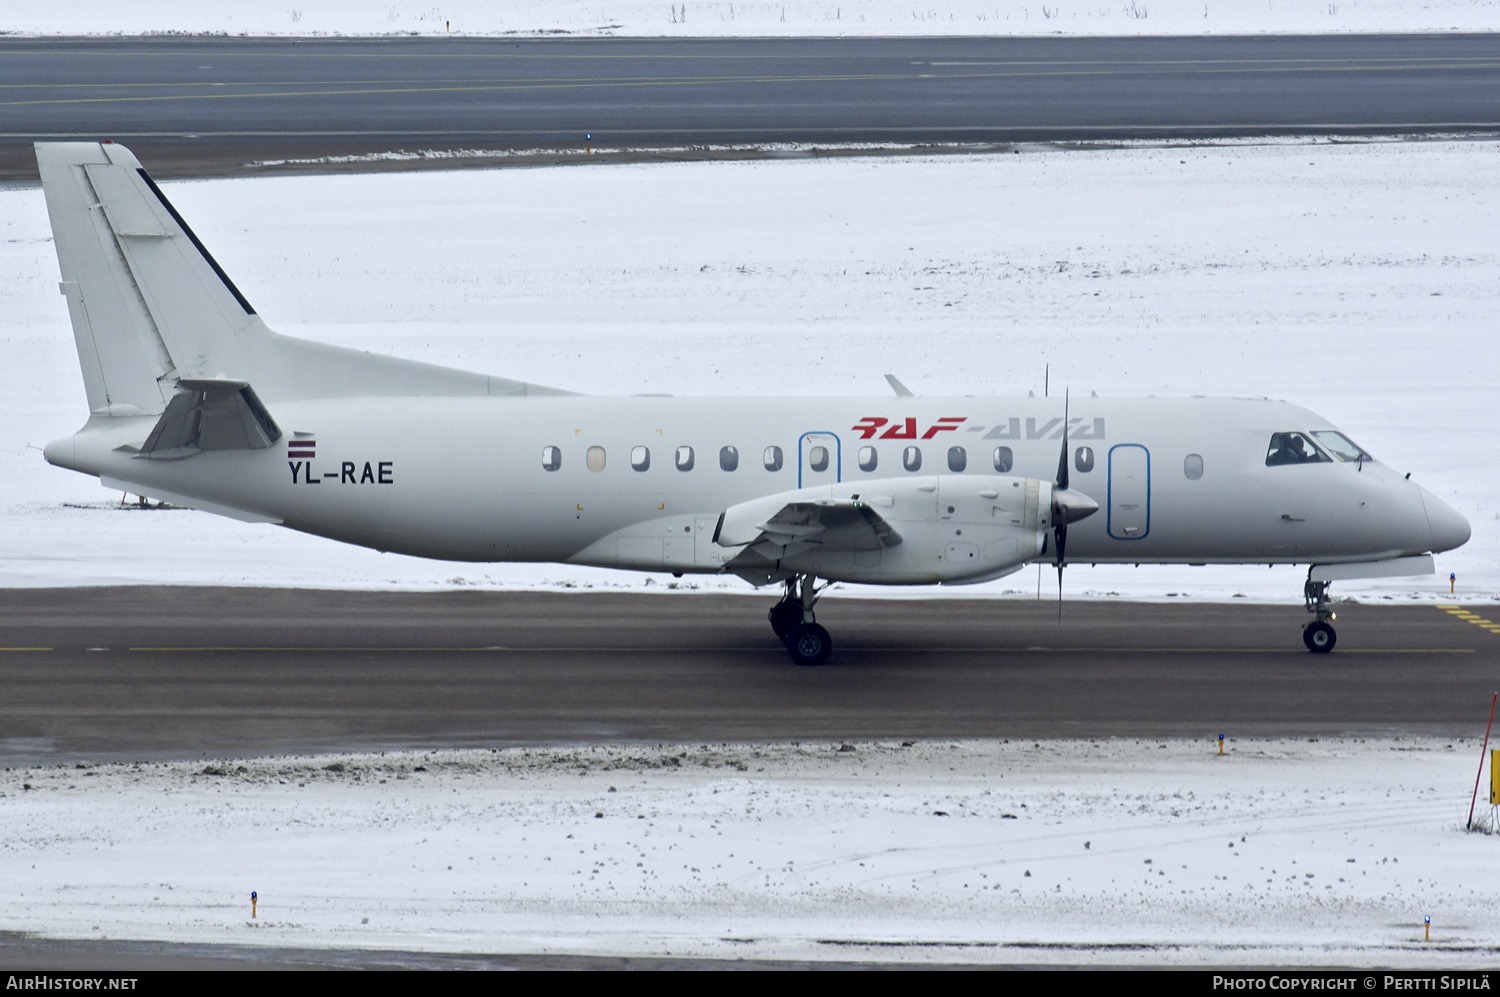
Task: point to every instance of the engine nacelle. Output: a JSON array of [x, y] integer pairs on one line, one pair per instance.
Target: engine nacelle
[[955, 529]]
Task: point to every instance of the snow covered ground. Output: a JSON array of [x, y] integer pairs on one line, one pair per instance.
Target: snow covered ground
[[1283, 852], [721, 18], [1357, 279]]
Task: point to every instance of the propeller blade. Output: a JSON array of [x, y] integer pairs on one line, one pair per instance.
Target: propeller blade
[[1059, 515], [1059, 591], [1062, 458], [1060, 509], [1062, 542], [1060, 545]]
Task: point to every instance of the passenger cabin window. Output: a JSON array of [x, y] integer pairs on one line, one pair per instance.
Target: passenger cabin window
[[594, 459], [772, 458], [1294, 448], [684, 458], [911, 458], [817, 458], [640, 458], [1083, 459], [958, 459], [1341, 446], [551, 458], [729, 458], [868, 459], [1004, 459], [1192, 466]]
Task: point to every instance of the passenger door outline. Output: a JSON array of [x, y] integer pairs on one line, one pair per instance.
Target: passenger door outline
[[804, 446], [1129, 494]]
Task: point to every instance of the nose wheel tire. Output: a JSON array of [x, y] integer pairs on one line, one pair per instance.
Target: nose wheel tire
[[784, 616], [809, 644], [1319, 637]]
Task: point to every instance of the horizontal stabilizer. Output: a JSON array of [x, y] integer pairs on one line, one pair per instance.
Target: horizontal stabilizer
[[210, 415]]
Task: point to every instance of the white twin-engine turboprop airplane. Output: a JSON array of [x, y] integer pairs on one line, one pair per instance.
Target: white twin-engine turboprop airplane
[[194, 401]]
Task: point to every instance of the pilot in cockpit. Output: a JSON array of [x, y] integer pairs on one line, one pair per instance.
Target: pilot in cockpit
[[1288, 448]]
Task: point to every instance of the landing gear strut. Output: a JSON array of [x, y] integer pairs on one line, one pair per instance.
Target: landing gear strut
[[788, 612], [1318, 635], [792, 620]]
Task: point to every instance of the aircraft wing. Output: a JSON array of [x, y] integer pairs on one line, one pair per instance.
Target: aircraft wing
[[827, 524]]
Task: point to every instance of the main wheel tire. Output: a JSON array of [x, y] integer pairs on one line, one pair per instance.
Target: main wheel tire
[[784, 616], [1319, 637], [809, 644]]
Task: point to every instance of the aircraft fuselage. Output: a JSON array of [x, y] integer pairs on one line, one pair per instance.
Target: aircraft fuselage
[[553, 479]]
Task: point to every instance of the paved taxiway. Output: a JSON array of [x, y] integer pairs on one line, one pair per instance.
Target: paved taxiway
[[137, 672], [69, 955], [198, 106]]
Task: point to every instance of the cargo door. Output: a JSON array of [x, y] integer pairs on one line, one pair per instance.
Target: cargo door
[[705, 551]]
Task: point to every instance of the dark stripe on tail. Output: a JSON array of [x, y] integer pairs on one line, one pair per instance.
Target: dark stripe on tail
[[206, 254]]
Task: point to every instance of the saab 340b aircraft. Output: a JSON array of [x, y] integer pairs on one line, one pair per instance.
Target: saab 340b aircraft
[[194, 401]]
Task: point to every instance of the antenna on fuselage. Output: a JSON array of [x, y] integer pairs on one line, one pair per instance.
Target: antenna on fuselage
[[901, 390]]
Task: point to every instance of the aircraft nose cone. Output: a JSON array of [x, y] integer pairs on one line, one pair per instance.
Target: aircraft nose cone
[[1449, 529]]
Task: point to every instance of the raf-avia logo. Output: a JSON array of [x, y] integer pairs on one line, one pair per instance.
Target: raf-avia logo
[[904, 429], [299, 458], [877, 427]]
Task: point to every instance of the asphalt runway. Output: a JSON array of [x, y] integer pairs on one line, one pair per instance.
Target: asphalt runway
[[124, 673], [194, 106]]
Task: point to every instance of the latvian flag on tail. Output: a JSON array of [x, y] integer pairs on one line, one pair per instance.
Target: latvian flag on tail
[[301, 448]]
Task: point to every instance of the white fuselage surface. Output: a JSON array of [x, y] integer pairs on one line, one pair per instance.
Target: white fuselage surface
[[1176, 480]]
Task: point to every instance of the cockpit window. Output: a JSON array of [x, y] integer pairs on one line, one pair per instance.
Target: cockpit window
[[1294, 448], [1341, 446]]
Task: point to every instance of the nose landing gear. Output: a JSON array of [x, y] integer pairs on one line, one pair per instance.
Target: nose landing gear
[[1318, 635], [792, 620]]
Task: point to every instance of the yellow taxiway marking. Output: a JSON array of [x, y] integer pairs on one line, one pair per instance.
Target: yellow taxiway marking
[[1460, 613], [697, 649], [718, 56], [1059, 68], [25, 648], [344, 89], [349, 649], [1407, 650]]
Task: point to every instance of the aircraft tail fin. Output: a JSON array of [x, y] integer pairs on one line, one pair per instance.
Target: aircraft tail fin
[[151, 307], [145, 298]]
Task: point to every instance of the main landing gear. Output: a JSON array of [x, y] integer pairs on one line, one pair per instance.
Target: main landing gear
[[1318, 635], [792, 620]]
